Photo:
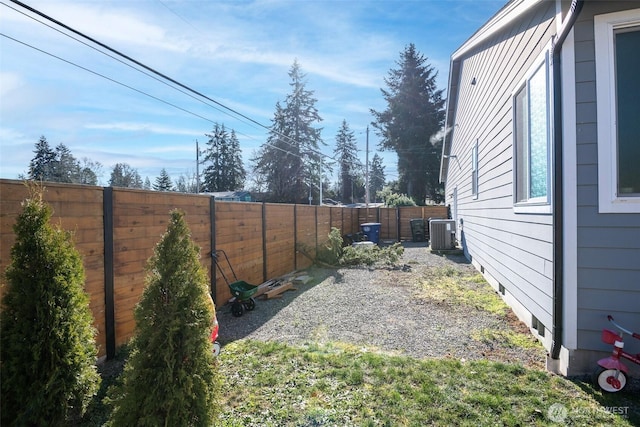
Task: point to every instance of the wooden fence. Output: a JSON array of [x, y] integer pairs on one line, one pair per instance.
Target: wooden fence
[[116, 230]]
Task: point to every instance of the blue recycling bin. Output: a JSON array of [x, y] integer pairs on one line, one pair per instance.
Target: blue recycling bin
[[372, 230]]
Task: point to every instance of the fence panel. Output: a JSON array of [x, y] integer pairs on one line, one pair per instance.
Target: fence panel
[[77, 209], [407, 213], [263, 241], [140, 218], [280, 239], [305, 235], [239, 228]]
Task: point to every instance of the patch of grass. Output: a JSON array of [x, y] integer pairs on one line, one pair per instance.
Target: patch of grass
[[506, 338], [345, 385], [450, 285]]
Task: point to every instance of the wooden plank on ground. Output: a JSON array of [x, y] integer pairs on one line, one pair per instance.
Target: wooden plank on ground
[[275, 292]]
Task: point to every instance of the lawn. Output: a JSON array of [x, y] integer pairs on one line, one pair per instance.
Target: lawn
[[340, 384], [270, 384]]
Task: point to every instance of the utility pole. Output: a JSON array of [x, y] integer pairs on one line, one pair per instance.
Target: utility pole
[[320, 202], [366, 172], [197, 168]]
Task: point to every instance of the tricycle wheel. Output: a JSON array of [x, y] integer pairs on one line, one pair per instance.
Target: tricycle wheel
[[606, 379], [236, 309], [250, 304]]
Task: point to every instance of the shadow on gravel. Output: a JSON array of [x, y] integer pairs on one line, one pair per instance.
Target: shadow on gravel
[[235, 328], [455, 255]]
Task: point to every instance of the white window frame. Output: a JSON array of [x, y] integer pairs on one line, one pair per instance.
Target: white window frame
[[604, 27], [474, 170], [537, 205]]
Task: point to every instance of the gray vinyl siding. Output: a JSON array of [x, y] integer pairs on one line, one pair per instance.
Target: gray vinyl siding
[[608, 245], [516, 249]]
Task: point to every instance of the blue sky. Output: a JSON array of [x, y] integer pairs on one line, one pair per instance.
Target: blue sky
[[235, 52]]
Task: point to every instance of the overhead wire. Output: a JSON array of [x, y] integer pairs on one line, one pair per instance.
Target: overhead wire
[[154, 74], [285, 138], [105, 77]]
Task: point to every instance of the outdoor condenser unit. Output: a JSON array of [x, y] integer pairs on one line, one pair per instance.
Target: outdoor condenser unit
[[442, 234]]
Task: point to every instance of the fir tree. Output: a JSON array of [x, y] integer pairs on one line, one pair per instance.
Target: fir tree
[[66, 167], [124, 175], [41, 167], [163, 182], [47, 336], [171, 376], [377, 177], [236, 175], [290, 159], [415, 112], [346, 153], [224, 170]]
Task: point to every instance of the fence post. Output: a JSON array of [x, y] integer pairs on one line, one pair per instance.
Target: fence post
[[214, 266], [398, 224], [295, 237], [109, 303], [264, 242]]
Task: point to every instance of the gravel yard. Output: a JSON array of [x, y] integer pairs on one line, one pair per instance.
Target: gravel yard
[[385, 310]]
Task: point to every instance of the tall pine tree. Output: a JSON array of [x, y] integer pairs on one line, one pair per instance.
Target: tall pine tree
[[163, 182], [223, 159], [124, 175], [415, 112], [346, 153], [42, 166], [377, 177], [290, 161]]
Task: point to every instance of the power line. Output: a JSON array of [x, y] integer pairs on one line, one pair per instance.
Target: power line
[[154, 74], [106, 77], [119, 60], [138, 63], [158, 73]]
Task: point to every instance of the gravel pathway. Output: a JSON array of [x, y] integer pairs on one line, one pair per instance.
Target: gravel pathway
[[379, 309]]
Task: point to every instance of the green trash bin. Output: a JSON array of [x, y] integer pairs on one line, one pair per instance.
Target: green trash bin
[[417, 230]]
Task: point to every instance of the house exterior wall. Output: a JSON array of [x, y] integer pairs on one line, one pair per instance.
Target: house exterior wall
[[513, 249], [608, 244]]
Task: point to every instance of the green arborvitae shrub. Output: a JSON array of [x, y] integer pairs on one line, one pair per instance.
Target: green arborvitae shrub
[[171, 376], [47, 336]]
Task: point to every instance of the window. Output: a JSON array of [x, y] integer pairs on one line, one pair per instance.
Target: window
[[532, 140], [474, 170], [617, 43]]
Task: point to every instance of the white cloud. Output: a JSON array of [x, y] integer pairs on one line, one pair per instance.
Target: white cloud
[[141, 127]]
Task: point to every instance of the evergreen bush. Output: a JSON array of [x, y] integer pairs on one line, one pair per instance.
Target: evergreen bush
[[47, 338], [171, 376], [331, 252]]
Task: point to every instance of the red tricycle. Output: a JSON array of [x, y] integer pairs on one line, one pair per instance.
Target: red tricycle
[[611, 374], [214, 337]]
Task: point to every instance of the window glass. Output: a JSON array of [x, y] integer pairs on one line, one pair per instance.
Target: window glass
[[627, 66], [538, 133], [522, 166], [531, 138], [474, 170]]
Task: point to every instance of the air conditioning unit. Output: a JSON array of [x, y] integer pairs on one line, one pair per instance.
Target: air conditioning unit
[[442, 234]]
